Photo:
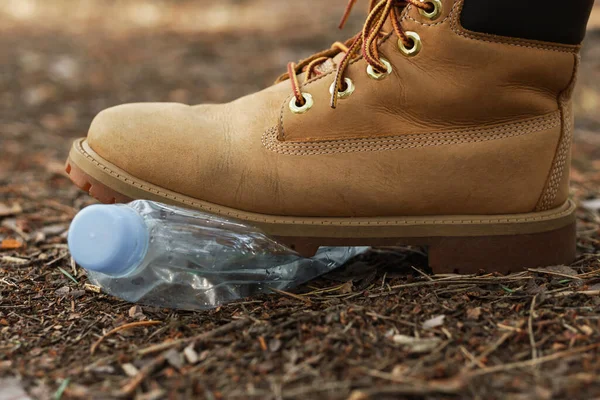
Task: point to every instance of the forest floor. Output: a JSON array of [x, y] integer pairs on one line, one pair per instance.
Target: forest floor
[[379, 328]]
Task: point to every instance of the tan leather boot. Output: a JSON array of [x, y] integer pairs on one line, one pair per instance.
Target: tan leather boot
[[417, 131]]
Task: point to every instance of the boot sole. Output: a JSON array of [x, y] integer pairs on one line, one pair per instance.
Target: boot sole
[[457, 243]]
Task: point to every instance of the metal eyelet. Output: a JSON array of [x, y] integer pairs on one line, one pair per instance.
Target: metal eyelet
[[346, 93], [416, 47], [308, 103], [380, 75], [436, 12]]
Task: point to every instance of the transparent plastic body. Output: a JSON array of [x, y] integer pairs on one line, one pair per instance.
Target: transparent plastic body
[[196, 260]]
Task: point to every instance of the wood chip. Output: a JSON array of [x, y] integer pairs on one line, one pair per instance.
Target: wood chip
[[92, 288], [417, 345], [11, 244], [13, 209], [120, 328]]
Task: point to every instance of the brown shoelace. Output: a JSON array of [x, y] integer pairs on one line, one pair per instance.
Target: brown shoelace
[[366, 40]]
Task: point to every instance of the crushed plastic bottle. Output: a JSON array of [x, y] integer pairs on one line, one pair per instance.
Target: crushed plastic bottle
[[165, 256]]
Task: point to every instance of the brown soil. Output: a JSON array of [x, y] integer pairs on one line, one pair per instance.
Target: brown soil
[[379, 328]]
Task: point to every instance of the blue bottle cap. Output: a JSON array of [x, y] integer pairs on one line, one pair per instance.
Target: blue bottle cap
[[111, 239]]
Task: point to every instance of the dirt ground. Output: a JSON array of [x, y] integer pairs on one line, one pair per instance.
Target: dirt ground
[[379, 328]]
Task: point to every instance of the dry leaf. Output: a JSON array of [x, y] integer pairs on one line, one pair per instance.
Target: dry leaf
[[63, 291], [474, 313], [346, 288], [11, 244]]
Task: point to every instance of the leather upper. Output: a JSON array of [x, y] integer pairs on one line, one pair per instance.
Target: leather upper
[[471, 125]]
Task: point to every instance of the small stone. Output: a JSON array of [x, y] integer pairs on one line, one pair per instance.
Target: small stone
[[190, 354], [587, 330], [130, 370]]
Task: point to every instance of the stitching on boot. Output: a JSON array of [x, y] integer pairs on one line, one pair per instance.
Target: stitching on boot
[[407, 141], [460, 30], [407, 16], [560, 212], [564, 147]]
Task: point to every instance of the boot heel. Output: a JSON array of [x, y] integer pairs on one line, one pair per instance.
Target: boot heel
[[505, 254]]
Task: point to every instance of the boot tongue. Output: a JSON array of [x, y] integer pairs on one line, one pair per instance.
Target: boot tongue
[[330, 64]]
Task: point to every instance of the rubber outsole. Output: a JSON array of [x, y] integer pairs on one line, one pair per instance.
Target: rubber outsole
[[463, 244]]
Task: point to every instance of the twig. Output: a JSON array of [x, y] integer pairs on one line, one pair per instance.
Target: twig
[[400, 321], [589, 274], [231, 326], [159, 360], [292, 295], [542, 271], [537, 361], [423, 274], [530, 328], [14, 260], [479, 360], [121, 328], [571, 292], [129, 388], [498, 343], [57, 259], [471, 357], [451, 281]]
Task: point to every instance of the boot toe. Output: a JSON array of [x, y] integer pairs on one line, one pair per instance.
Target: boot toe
[[123, 133], [147, 140]]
